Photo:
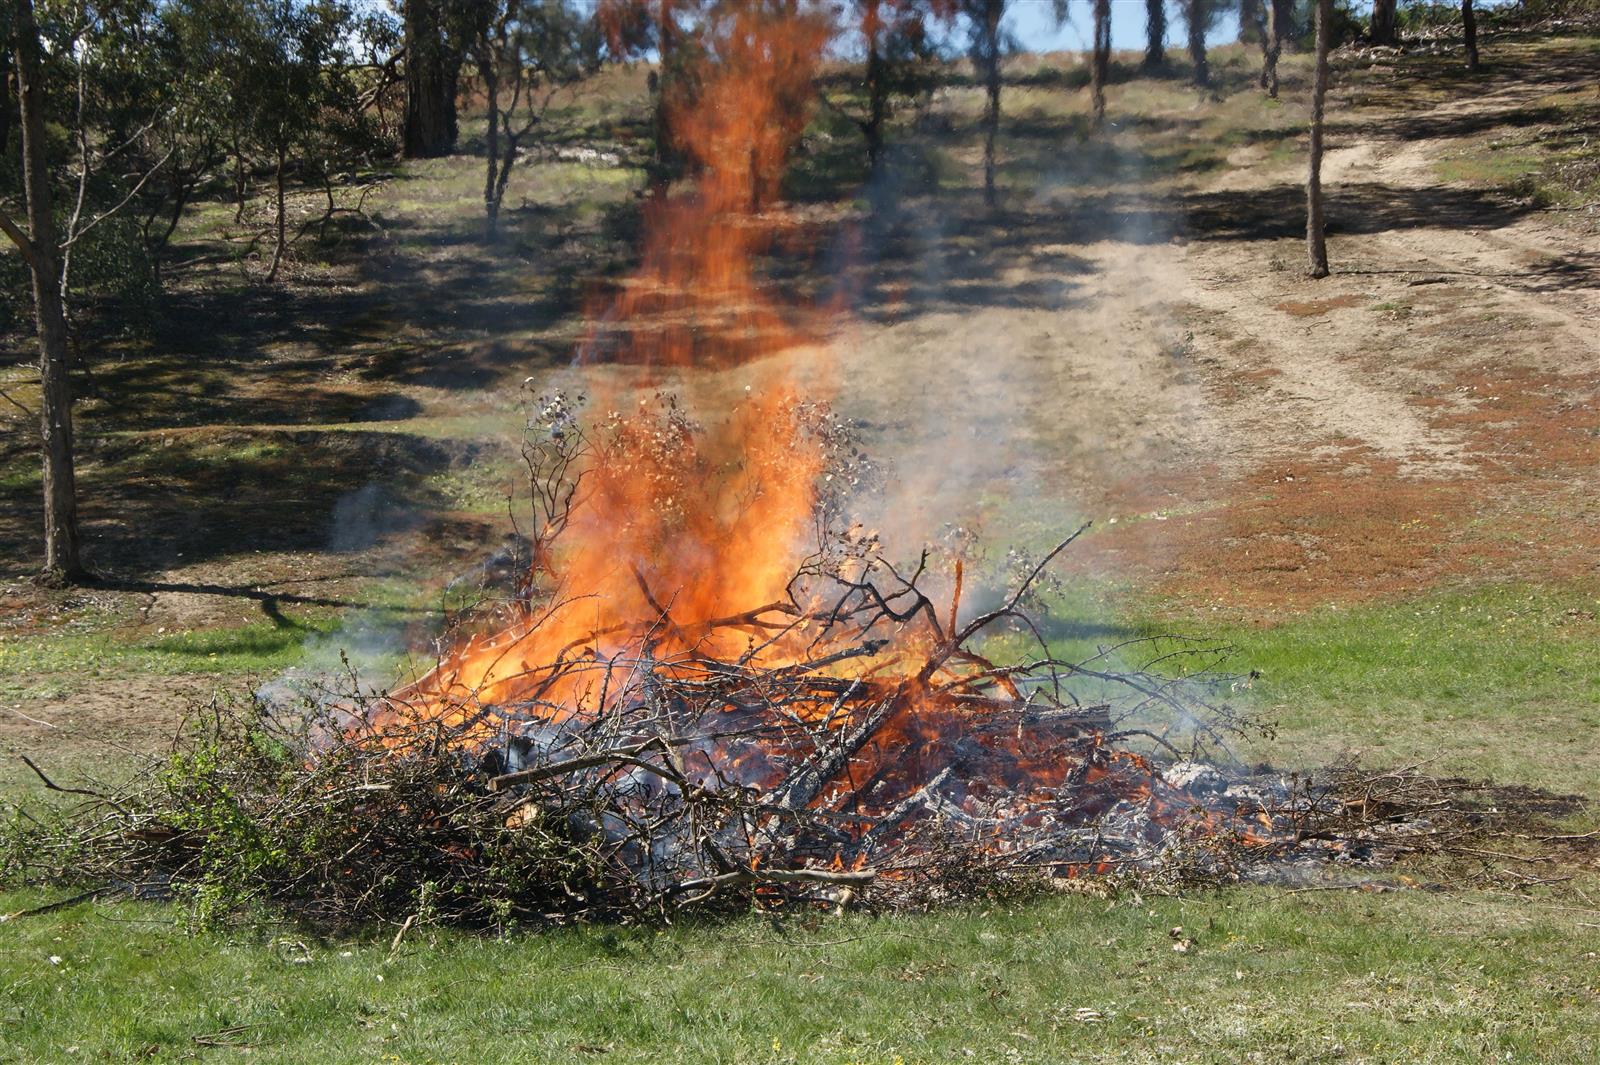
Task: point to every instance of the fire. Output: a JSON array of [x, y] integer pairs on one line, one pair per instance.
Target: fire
[[694, 528], [676, 630]]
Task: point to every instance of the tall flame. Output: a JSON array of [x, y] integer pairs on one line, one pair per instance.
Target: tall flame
[[696, 527]]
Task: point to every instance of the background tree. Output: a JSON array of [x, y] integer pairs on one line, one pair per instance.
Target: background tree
[[1469, 31], [986, 49], [1100, 60], [39, 250], [900, 53], [1383, 30], [1197, 18], [525, 52], [298, 99], [1272, 44], [669, 28], [433, 68], [1155, 35], [1252, 22], [1316, 239], [100, 143]]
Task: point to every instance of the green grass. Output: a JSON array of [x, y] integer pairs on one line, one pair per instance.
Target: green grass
[[1498, 681], [99, 649], [1321, 977]]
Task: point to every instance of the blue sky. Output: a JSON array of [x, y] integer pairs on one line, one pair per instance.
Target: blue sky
[[1033, 24]]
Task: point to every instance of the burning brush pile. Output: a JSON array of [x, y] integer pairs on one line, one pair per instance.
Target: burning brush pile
[[710, 689], [661, 718]]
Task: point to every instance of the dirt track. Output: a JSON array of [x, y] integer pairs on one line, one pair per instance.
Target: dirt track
[[1430, 412]]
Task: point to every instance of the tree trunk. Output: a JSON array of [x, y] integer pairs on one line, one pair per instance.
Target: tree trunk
[[1100, 66], [877, 105], [61, 557], [1469, 29], [279, 244], [238, 182], [1155, 32], [989, 49], [430, 123], [1316, 240], [5, 93], [1272, 47], [491, 180], [1194, 12], [1250, 22], [1383, 22]]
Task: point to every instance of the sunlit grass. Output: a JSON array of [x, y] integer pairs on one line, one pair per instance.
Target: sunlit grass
[[1397, 977]]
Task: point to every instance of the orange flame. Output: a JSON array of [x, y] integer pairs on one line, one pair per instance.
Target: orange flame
[[704, 528]]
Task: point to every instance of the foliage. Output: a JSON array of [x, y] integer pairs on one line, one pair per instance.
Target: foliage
[[526, 51], [903, 58]]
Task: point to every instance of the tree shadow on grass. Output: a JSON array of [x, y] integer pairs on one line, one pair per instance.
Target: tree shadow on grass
[[202, 497]]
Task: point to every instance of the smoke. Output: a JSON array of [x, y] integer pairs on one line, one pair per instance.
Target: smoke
[[364, 652]]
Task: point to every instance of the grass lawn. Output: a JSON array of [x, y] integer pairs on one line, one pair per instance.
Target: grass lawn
[[1387, 977]]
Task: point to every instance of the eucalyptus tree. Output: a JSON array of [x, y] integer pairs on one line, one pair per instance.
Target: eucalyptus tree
[[93, 94], [986, 48], [901, 50], [433, 58], [1155, 33], [1316, 237], [525, 53], [1197, 16], [1383, 29], [1100, 60], [39, 249]]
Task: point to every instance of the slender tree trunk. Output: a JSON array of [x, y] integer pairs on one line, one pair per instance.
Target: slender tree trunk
[[661, 167], [991, 129], [1250, 22], [238, 182], [1316, 239], [491, 180], [1272, 47], [877, 105], [1469, 29], [5, 93], [279, 244], [1155, 33], [61, 557], [1100, 66], [1383, 22], [1195, 17], [989, 29], [429, 130]]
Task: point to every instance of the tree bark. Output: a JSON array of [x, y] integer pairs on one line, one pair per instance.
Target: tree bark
[[491, 180], [1272, 47], [279, 244], [877, 104], [1100, 66], [1316, 239], [1251, 28], [989, 50], [61, 556], [431, 72], [1469, 29], [1155, 33], [1195, 16], [1383, 22]]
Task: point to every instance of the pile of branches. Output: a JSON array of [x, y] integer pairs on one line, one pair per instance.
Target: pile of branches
[[895, 752], [707, 786]]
